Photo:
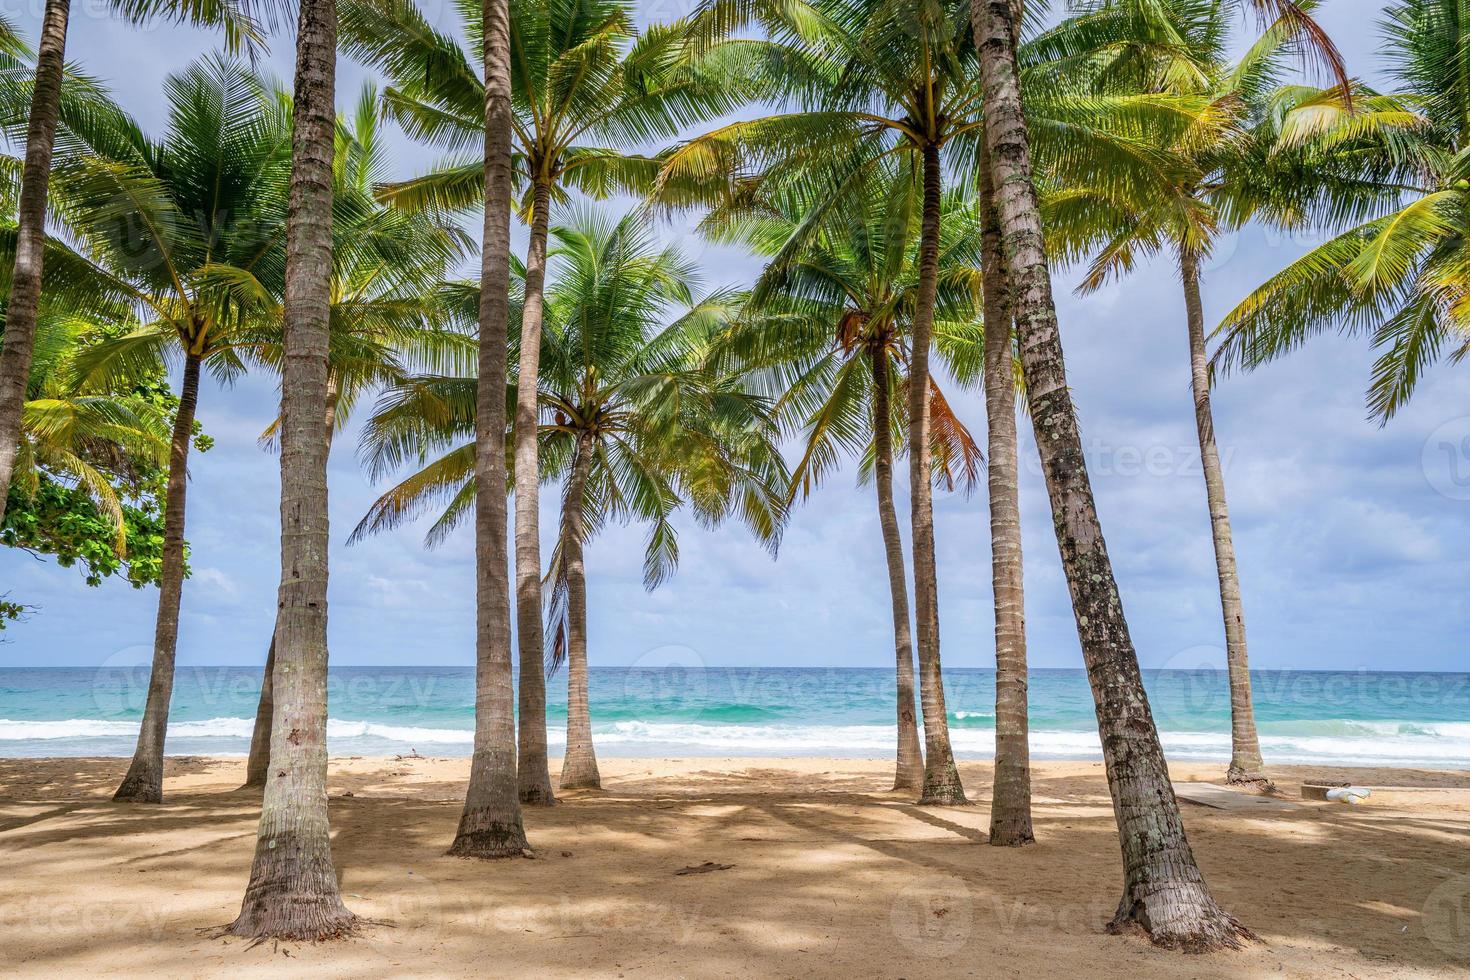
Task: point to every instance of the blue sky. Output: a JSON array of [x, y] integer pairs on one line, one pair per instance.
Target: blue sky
[[1351, 538]]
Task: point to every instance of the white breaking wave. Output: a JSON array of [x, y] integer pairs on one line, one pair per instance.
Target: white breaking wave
[[1445, 744], [218, 728], [99, 728]]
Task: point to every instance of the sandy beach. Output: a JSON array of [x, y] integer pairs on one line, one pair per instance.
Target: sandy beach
[[828, 875]]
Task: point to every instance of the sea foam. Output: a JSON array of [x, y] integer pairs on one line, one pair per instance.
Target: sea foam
[[1343, 743]]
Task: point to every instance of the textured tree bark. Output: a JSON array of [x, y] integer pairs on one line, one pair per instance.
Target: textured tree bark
[[144, 780], [490, 826], [1164, 892], [909, 768], [293, 891], [1010, 805], [579, 764], [259, 760], [941, 777], [25, 286], [534, 775], [1246, 765]]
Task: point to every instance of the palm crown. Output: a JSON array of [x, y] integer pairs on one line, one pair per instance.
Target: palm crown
[[819, 315], [1399, 277], [662, 429], [587, 88]]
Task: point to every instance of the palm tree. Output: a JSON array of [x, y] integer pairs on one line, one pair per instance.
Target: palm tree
[[827, 322], [189, 229], [388, 312], [1010, 794], [1398, 275], [871, 79], [293, 891], [85, 449], [41, 126], [633, 421], [583, 81], [1164, 891], [490, 826], [867, 79], [1184, 52]]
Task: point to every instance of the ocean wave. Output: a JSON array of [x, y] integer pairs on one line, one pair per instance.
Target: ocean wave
[[228, 728], [1340, 742], [1369, 728]]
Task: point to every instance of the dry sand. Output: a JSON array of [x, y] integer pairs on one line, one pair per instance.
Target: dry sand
[[830, 876]]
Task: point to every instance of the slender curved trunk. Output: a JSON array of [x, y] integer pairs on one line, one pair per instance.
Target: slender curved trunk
[[490, 826], [259, 760], [25, 285], [1246, 765], [941, 776], [1164, 892], [1010, 804], [579, 765], [293, 891], [144, 780], [534, 775], [909, 768]]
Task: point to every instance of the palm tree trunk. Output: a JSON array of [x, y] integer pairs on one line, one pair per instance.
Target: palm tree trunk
[[1246, 765], [941, 777], [490, 825], [144, 780], [1010, 805], [25, 286], [293, 891], [1164, 892], [909, 768], [259, 760], [534, 776], [579, 765]]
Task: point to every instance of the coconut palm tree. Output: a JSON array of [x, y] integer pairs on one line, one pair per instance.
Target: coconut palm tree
[[189, 225], [1010, 793], [389, 313], [869, 79], [1398, 276], [827, 326], [633, 422], [585, 82], [1164, 891], [490, 826], [85, 449], [45, 98], [293, 893], [1228, 174], [866, 80], [1182, 50]]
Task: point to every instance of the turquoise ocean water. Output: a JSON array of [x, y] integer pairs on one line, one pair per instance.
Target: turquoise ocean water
[[678, 709]]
